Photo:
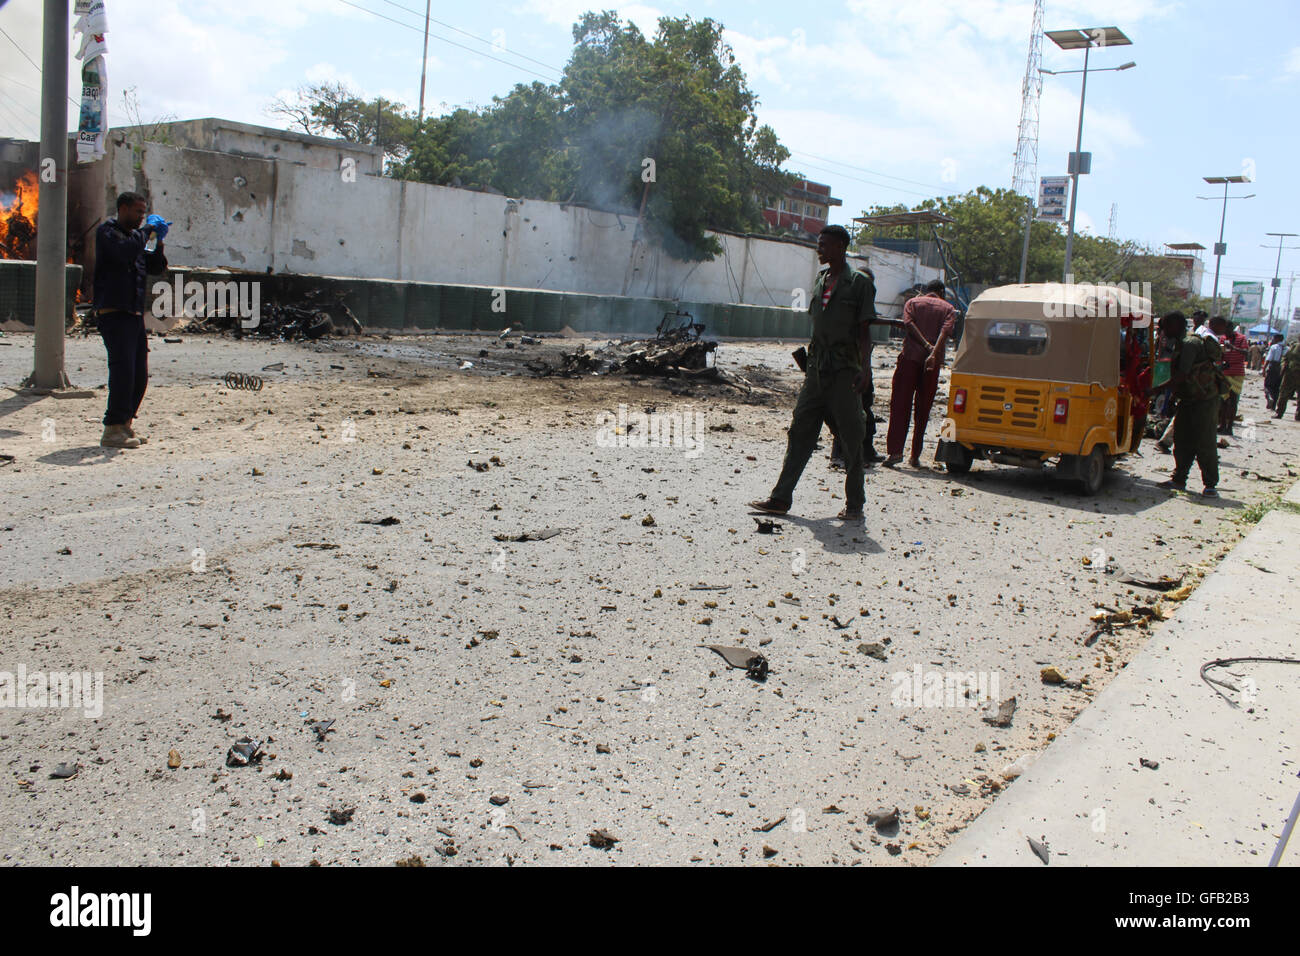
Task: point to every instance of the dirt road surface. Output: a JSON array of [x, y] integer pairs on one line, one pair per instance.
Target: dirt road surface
[[498, 701]]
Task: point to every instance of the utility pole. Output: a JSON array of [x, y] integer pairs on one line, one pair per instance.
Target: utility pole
[[1277, 270], [52, 229], [424, 65]]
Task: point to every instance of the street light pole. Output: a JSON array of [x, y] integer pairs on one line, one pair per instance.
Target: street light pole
[[1221, 248], [1075, 39], [1074, 175]]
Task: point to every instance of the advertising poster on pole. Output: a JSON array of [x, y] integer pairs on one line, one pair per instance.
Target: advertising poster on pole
[[1053, 198]]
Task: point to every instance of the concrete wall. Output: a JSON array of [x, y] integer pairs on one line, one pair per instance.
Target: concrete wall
[[244, 139], [258, 214]]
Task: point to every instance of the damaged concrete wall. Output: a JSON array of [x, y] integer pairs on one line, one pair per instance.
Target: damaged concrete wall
[[259, 214]]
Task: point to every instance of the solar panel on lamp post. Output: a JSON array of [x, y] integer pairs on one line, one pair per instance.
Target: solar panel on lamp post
[[1220, 247], [1085, 40]]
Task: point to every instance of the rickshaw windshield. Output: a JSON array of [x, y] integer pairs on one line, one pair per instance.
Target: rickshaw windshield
[[1018, 338]]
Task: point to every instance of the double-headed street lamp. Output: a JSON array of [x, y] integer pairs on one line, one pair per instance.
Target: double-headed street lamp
[[1081, 162], [1221, 247], [1277, 270]]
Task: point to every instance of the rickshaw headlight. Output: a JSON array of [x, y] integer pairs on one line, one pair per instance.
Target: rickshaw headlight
[[1061, 411], [959, 400]]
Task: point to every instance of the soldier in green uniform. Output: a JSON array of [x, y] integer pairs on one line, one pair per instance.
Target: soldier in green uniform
[[843, 307], [1290, 384], [1195, 382]]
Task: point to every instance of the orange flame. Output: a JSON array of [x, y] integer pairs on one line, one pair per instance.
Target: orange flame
[[18, 218]]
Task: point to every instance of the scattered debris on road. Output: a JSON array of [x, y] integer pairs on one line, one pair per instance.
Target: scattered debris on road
[[243, 752], [1041, 850], [1002, 718], [742, 658], [531, 535], [240, 380]]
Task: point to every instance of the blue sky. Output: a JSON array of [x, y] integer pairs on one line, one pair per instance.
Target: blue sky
[[886, 101]]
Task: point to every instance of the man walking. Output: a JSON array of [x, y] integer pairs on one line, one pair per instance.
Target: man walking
[[1194, 380], [121, 264], [1235, 348], [1289, 385], [928, 321], [1273, 371], [843, 307]]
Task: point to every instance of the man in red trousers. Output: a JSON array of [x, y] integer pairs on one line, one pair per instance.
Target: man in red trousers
[[927, 323]]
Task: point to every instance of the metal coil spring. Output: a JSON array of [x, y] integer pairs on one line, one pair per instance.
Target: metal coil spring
[[250, 383]]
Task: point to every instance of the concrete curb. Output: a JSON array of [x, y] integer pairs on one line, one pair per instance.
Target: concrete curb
[[1227, 776]]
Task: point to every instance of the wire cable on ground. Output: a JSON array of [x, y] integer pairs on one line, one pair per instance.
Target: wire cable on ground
[[1225, 661]]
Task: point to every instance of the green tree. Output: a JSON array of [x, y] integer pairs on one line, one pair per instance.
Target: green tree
[[331, 109], [986, 239], [678, 100]]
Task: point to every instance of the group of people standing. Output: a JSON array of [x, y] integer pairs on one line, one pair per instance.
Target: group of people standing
[[1282, 376], [1208, 373]]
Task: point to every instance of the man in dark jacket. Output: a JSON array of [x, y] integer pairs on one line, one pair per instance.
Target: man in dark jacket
[[842, 309], [121, 265], [1194, 380]]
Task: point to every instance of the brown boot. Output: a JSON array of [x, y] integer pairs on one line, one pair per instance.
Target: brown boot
[[118, 436], [142, 439]]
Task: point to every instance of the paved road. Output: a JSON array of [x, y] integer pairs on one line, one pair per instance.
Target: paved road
[[224, 570]]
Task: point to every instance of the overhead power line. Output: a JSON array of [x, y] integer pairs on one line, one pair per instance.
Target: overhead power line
[[491, 43], [864, 169], [435, 36], [34, 64], [20, 49], [859, 179]]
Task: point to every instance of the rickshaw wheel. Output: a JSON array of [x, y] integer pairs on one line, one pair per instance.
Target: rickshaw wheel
[[1092, 470]]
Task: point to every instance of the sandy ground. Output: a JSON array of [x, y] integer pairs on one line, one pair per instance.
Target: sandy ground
[[494, 701]]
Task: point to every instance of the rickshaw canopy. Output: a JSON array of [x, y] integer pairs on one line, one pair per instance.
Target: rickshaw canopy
[[1048, 332]]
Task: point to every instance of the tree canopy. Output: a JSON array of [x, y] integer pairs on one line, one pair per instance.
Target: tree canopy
[[986, 239], [668, 119]]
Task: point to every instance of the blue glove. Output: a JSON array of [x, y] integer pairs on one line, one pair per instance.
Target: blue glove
[[160, 225]]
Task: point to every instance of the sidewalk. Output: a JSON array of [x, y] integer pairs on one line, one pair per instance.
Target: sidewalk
[[1227, 776]]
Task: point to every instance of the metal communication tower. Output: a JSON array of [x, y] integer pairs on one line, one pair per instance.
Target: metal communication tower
[[1024, 178]]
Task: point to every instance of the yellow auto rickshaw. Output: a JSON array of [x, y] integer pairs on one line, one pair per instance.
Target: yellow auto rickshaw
[[1050, 371]]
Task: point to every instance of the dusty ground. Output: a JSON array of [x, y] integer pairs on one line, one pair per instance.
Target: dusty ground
[[459, 669]]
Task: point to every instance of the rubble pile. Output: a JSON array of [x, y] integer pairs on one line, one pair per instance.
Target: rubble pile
[[316, 314], [675, 353]]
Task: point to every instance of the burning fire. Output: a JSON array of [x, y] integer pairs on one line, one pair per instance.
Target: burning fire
[[18, 219]]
